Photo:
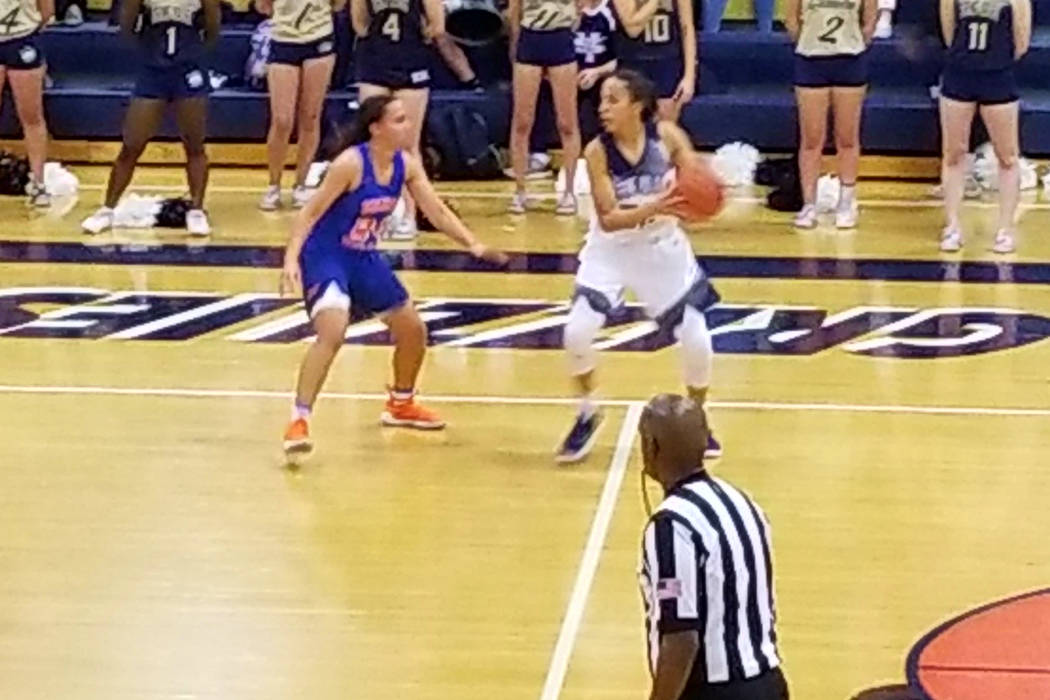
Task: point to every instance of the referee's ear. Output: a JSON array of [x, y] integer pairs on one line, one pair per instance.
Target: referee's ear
[[650, 448]]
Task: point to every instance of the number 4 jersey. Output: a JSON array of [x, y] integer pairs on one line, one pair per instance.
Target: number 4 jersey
[[831, 28], [393, 54], [18, 18]]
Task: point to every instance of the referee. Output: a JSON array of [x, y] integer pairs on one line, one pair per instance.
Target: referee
[[706, 573]]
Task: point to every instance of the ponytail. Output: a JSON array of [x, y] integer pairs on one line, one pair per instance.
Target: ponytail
[[359, 130]]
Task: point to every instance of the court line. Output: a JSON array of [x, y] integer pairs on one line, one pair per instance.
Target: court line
[[581, 589], [984, 669], [552, 196], [531, 400]]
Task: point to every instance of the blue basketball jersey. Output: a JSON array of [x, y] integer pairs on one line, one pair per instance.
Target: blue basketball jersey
[[594, 36], [355, 219], [170, 31], [661, 39], [984, 35]]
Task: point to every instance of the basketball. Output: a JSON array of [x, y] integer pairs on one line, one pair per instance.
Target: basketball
[[701, 189]]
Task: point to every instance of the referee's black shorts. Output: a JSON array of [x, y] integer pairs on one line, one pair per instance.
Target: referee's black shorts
[[771, 685]]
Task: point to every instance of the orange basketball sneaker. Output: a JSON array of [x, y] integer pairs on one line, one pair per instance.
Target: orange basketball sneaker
[[402, 410], [297, 442]]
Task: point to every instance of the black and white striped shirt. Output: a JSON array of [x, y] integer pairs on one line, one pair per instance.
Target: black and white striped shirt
[[706, 566]]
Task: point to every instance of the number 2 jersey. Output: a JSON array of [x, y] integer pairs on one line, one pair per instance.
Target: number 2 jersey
[[171, 32], [984, 35], [18, 18], [831, 28]]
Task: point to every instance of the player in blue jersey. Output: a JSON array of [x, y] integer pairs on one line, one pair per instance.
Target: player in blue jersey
[[332, 256], [595, 58], [172, 71], [657, 38], [985, 38], [391, 58], [22, 64]]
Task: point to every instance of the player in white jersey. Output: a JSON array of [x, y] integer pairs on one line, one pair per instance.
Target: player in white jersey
[[22, 64], [635, 242], [302, 56], [831, 71]]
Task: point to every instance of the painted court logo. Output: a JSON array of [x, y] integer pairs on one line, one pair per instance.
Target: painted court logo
[[526, 324]]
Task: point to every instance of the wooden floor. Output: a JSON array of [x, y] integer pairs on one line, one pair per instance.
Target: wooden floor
[[153, 546]]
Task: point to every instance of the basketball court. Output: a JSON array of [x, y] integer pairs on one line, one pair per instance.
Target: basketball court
[[885, 403]]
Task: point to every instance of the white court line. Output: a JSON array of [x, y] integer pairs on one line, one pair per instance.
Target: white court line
[[581, 589], [551, 196], [532, 400]]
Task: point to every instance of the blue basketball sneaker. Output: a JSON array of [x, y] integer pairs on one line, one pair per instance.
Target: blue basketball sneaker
[[714, 447], [580, 440]]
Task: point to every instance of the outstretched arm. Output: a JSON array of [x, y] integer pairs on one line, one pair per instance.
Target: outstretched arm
[[441, 216]]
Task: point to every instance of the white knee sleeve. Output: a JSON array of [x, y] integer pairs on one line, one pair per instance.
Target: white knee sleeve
[[697, 352], [887, 5], [581, 328]]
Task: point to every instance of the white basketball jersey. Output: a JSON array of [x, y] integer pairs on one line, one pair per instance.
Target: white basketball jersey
[[302, 21], [18, 18], [831, 28]]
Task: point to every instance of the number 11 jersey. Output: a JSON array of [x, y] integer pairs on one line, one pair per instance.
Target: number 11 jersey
[[984, 35]]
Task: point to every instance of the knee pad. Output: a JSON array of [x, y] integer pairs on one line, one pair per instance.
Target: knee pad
[[697, 351], [581, 327]]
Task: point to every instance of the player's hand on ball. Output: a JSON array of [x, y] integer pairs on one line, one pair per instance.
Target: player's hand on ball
[[483, 252], [672, 202], [290, 279]]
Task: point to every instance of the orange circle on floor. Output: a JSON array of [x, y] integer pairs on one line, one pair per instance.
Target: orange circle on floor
[[1000, 650]]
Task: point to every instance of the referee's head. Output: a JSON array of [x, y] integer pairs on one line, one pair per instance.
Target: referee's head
[[674, 435]]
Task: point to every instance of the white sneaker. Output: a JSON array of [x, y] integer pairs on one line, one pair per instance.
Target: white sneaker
[[884, 27], [301, 194], [951, 240], [101, 220], [38, 196], [538, 167], [1004, 242], [807, 217], [566, 205], [403, 229], [197, 223], [972, 189], [271, 199], [846, 214], [519, 203], [74, 17]]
